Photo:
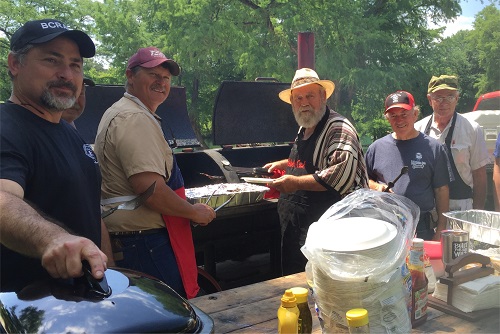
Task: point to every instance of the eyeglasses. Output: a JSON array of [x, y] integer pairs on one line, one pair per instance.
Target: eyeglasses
[[441, 99]]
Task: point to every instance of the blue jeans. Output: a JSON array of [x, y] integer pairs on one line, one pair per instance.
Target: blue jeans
[[151, 254]]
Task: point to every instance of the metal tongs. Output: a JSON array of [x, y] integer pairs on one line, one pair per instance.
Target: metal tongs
[[225, 203], [217, 208], [404, 170]]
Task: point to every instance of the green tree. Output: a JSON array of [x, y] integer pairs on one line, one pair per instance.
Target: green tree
[[485, 43], [369, 48]]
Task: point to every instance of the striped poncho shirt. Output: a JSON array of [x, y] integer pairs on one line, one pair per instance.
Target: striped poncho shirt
[[338, 156]]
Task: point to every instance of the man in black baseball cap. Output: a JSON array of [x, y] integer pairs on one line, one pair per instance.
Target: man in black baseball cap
[[419, 161], [42, 31], [49, 177]]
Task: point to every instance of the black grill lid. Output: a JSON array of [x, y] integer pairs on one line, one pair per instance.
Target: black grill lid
[[175, 120], [247, 112], [138, 304]]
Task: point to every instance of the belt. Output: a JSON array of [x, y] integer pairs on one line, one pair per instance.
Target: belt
[[141, 232]]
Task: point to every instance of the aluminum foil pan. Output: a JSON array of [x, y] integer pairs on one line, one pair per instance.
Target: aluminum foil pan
[[246, 193], [483, 226]]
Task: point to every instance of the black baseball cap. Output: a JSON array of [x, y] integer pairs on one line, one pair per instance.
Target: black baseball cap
[[399, 99], [42, 31]]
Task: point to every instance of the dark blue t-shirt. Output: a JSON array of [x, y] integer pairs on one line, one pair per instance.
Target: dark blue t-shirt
[[427, 167], [60, 177]]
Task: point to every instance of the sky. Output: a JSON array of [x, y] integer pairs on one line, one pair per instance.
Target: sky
[[464, 22]]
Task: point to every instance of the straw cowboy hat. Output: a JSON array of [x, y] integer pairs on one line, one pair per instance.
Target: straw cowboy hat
[[304, 77]]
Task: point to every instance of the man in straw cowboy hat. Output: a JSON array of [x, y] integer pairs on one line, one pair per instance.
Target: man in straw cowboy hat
[[325, 164]]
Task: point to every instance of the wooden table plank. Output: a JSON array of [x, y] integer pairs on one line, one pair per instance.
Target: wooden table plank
[[228, 299], [253, 309]]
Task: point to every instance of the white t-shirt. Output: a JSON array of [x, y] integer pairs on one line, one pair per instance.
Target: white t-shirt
[[468, 146]]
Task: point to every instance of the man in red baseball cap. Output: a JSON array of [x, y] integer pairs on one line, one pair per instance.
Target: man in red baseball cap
[[133, 153], [421, 159]]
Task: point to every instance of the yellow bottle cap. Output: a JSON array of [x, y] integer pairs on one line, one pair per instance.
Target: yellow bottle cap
[[357, 317], [288, 299], [300, 293]]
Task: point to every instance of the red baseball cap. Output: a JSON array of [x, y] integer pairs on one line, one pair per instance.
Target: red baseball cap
[[151, 57], [399, 99]]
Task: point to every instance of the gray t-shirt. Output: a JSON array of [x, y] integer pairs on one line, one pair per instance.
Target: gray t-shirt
[[427, 167]]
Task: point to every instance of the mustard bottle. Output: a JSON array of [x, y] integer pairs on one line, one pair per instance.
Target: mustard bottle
[[357, 320], [305, 318], [288, 314]]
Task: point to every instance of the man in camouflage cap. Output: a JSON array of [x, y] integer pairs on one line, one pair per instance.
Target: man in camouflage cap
[[464, 140]]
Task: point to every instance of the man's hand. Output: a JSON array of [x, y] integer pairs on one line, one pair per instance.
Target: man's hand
[[271, 166], [62, 258], [286, 184], [25, 231], [204, 214]]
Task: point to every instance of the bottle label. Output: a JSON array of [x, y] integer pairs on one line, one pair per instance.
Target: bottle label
[[458, 248], [420, 302], [416, 259]]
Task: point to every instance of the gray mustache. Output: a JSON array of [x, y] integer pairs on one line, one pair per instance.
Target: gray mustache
[[63, 84]]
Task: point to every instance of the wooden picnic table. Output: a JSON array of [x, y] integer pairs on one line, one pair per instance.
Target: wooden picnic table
[[252, 309]]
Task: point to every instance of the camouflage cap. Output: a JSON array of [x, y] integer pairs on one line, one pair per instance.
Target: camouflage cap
[[442, 82]]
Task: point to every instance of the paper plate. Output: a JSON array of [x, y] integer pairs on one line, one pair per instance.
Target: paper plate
[[350, 234], [257, 180]]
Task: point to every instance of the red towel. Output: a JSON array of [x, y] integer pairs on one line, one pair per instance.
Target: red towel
[[181, 238]]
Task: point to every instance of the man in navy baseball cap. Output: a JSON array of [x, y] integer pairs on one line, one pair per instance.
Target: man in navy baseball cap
[[42, 31], [49, 177]]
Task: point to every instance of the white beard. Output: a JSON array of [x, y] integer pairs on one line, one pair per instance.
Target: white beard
[[310, 119]]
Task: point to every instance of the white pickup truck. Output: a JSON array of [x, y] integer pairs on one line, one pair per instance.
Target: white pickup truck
[[489, 120]]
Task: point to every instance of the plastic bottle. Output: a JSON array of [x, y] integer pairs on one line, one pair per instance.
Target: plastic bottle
[[305, 318], [357, 320], [429, 273], [288, 314], [419, 283]]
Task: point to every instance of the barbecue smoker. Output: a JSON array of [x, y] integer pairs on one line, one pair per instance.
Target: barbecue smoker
[[252, 126]]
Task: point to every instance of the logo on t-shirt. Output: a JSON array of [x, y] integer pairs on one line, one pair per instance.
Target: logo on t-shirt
[[89, 152], [418, 163]]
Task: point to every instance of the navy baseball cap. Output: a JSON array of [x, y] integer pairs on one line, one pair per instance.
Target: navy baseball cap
[[42, 31]]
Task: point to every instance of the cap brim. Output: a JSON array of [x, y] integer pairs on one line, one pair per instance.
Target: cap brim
[[84, 42], [329, 86], [441, 87], [399, 105], [171, 64]]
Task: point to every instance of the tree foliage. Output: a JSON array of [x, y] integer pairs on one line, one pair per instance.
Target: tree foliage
[[369, 48]]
